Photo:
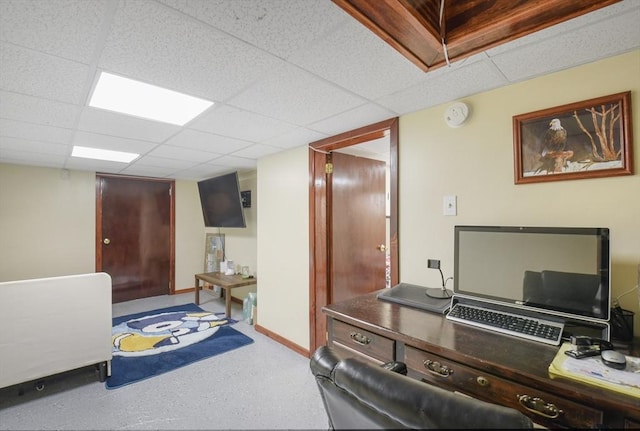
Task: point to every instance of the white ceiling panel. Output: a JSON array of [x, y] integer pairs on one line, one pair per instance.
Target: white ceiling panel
[[66, 29], [294, 138], [244, 125], [279, 27], [34, 159], [197, 140], [460, 82], [580, 46], [30, 72], [257, 151], [14, 106], [352, 119], [35, 132], [290, 93], [13, 144], [178, 153], [124, 126], [161, 46], [364, 63], [283, 73], [113, 143], [162, 162]]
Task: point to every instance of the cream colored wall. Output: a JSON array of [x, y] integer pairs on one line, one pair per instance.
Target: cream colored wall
[[47, 222], [475, 163], [190, 235], [241, 243], [47, 225], [283, 244]]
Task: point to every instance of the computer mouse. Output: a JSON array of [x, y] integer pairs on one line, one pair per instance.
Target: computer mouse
[[614, 359]]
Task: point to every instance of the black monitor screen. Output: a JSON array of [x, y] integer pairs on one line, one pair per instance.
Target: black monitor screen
[[561, 270], [221, 202]]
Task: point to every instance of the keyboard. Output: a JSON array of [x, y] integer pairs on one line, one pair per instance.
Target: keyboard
[[544, 331]]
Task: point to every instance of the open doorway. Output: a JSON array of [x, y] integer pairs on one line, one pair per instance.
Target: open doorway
[[321, 211]]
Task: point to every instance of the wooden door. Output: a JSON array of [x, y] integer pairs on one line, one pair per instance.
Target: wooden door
[[320, 278], [358, 226], [134, 235]]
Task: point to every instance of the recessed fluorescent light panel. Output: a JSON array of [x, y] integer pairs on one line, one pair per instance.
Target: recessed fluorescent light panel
[[130, 97], [98, 154]]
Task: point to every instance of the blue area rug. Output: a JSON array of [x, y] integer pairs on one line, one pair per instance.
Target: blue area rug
[[154, 342]]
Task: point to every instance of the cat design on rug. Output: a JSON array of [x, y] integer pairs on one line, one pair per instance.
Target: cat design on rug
[[163, 332]]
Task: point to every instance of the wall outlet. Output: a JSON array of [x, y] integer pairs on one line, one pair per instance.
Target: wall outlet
[[433, 263]]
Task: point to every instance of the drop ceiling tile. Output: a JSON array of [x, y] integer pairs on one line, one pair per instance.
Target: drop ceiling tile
[[235, 162], [571, 49], [83, 164], [295, 138], [13, 144], [177, 153], [111, 123], [279, 27], [67, 29], [295, 95], [256, 151], [198, 140], [202, 171], [365, 64], [353, 119], [30, 109], [33, 73], [156, 44], [148, 171], [229, 121], [34, 132], [455, 84], [626, 7], [31, 159], [161, 162], [113, 143]]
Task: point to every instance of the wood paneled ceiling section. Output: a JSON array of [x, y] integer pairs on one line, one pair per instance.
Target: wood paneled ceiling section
[[413, 27]]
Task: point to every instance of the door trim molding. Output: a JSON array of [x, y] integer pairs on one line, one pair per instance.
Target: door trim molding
[[320, 213]]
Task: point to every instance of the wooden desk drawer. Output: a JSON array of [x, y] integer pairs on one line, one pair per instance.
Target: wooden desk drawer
[[365, 342], [543, 408]]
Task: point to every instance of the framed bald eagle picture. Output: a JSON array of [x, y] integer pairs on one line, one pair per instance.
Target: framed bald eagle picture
[[587, 139]]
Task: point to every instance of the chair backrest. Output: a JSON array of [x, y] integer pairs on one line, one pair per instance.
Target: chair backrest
[[357, 395]]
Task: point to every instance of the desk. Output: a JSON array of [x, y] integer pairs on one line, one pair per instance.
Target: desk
[[226, 282], [486, 365]]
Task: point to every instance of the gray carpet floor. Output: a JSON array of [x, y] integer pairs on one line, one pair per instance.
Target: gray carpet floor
[[261, 386]]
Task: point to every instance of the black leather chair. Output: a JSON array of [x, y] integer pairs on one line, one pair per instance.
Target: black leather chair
[[357, 395]]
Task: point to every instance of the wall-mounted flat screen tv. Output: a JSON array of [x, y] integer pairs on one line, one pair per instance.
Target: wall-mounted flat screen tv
[[221, 202]]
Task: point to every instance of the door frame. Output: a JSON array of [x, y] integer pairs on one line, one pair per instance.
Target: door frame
[[320, 214], [172, 227]]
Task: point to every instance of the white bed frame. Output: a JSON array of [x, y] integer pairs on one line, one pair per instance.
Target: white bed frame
[[52, 325]]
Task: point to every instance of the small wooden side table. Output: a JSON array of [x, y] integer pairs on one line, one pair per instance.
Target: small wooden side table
[[226, 282]]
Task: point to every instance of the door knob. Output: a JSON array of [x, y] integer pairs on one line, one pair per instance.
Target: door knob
[[382, 247], [106, 241]]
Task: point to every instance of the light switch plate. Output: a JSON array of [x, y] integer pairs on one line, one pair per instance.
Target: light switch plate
[[450, 206]]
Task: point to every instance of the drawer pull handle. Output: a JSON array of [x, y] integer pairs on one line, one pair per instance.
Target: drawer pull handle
[[437, 368], [539, 406], [359, 338]]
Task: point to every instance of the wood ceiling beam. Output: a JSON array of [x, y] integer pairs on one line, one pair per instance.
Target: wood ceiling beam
[[413, 27]]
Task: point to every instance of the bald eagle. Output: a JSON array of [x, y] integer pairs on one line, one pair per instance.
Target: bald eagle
[[555, 138], [554, 157]]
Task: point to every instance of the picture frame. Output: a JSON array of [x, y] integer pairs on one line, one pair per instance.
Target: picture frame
[[213, 251], [588, 139]]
